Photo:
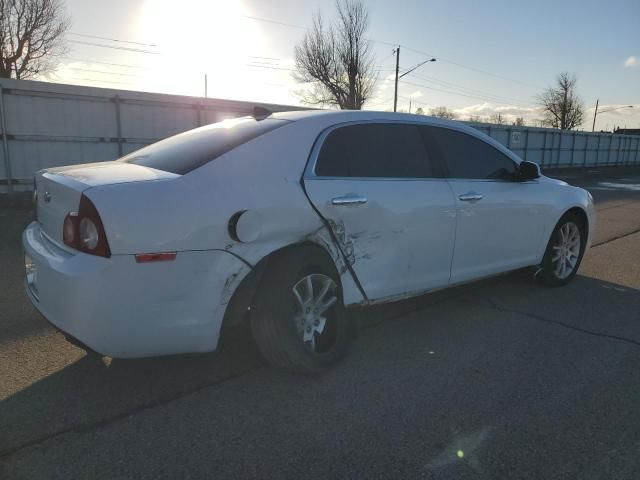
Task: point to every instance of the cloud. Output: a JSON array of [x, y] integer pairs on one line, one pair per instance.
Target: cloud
[[486, 109], [416, 94], [632, 62]]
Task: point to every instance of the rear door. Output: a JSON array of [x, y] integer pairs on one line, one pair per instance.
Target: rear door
[[500, 219], [391, 211]]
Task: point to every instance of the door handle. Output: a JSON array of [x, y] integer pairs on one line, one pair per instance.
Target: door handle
[[470, 197], [349, 200]]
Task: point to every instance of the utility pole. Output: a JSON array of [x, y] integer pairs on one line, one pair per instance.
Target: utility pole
[[206, 85], [395, 96], [605, 111], [595, 114]]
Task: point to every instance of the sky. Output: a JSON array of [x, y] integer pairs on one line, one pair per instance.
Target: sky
[[491, 56]]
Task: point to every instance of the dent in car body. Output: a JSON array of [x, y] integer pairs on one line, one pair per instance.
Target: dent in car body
[[346, 242]]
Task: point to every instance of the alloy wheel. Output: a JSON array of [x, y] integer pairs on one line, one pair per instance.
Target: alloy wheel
[[566, 251], [315, 295]]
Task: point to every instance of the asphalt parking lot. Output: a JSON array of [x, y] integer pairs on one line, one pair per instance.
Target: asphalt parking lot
[[503, 378]]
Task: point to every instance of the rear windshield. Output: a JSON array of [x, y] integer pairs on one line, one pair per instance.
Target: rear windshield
[[187, 151]]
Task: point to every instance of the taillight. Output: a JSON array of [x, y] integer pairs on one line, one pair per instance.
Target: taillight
[[155, 257], [83, 230]]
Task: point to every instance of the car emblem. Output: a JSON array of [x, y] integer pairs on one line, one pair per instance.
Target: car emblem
[[47, 197]]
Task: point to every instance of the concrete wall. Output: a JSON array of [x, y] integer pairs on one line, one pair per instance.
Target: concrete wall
[[45, 125]]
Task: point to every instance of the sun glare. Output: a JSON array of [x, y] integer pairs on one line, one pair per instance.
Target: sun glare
[[197, 37]]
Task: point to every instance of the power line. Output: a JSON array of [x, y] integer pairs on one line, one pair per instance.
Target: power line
[[112, 39], [441, 59], [469, 92], [102, 71], [270, 67], [463, 89], [263, 58], [105, 63], [258, 62], [261, 19], [129, 49], [95, 80], [291, 25], [478, 97], [301, 27], [267, 20]]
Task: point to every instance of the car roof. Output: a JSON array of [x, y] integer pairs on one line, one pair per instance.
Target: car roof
[[334, 117], [326, 118], [339, 116]]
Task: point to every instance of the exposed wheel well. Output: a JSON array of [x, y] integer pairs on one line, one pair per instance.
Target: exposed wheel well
[[239, 306], [581, 215]]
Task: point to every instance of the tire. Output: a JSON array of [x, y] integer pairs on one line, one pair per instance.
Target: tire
[[571, 250], [289, 334]]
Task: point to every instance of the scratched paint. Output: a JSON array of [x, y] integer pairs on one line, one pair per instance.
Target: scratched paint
[[346, 242]]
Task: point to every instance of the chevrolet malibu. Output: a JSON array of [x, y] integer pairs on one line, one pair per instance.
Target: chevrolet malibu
[[285, 221]]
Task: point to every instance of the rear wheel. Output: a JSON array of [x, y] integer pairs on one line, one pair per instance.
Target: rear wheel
[[564, 251], [298, 318]]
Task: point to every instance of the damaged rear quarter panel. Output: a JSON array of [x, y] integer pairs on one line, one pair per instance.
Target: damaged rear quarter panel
[[263, 179]]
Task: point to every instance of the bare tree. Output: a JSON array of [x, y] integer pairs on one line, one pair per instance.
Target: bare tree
[[561, 105], [443, 112], [31, 35], [419, 111], [337, 59], [476, 119], [519, 122], [496, 118]]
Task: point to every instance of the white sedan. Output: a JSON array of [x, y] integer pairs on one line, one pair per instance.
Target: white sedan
[[285, 220]]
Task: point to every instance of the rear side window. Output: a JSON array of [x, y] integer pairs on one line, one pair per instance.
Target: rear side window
[[187, 151], [390, 150], [468, 157]]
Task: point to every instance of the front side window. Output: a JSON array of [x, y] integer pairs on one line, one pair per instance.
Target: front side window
[[187, 151], [384, 150], [465, 156]]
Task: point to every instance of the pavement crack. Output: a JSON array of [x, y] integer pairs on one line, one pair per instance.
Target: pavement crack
[[618, 205], [568, 326], [604, 242], [83, 428]]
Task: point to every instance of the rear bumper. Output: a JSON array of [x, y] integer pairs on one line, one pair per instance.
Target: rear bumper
[[123, 309]]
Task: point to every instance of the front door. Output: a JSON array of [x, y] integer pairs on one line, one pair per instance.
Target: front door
[[500, 220], [395, 219]]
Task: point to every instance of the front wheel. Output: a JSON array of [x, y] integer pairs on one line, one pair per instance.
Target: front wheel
[[298, 318], [564, 251]]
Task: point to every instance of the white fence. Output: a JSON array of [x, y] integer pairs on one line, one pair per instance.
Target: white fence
[[551, 148], [45, 125]]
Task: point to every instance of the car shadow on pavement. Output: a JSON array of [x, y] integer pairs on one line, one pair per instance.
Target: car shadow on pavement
[[93, 391]]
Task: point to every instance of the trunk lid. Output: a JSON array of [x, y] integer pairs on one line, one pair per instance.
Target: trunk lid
[[59, 189]]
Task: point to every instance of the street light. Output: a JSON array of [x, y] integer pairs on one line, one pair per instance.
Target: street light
[[418, 65], [595, 114], [395, 96]]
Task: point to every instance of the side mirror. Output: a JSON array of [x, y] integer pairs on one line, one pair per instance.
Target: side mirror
[[528, 171]]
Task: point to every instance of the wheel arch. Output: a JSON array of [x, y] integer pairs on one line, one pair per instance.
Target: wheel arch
[[581, 214], [577, 210], [239, 306]]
